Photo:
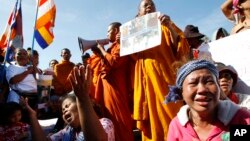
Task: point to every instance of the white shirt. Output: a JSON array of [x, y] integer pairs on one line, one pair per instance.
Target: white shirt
[[28, 84]]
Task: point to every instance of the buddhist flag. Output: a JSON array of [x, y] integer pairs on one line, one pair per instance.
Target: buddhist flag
[[14, 29], [45, 23]]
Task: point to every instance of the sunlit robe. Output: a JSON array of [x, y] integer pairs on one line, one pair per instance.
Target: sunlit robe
[[153, 74], [61, 81], [95, 64], [112, 91]]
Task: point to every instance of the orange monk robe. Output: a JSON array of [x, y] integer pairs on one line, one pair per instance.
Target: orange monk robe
[[112, 92], [61, 81], [95, 64], [153, 74]]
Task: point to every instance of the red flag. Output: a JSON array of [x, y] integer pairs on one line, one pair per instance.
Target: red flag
[[14, 31]]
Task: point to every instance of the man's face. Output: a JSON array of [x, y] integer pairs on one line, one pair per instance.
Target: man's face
[[66, 54], [52, 64], [35, 60], [21, 57], [112, 32], [146, 6]]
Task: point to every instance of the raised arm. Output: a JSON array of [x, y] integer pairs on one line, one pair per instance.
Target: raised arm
[[227, 9], [19, 77], [166, 21], [81, 80], [36, 130]]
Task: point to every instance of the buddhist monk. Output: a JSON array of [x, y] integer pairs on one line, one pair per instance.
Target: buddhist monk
[[153, 74], [112, 88], [62, 70], [94, 62]]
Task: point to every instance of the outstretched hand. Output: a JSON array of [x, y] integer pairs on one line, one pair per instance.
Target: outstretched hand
[[81, 80], [24, 102], [166, 21]]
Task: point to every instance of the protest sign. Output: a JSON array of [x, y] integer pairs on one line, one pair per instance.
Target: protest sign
[[232, 50], [140, 34]]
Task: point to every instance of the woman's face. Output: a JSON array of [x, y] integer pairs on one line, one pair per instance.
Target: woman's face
[[70, 113], [146, 6], [226, 82], [201, 91]]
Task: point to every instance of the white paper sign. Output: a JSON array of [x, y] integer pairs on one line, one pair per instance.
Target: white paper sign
[[233, 50], [140, 34], [44, 80]]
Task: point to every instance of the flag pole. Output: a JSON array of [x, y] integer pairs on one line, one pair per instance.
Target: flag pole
[[8, 40], [33, 40], [9, 34]]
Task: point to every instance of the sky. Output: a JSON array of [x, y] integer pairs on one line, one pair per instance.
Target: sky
[[89, 20]]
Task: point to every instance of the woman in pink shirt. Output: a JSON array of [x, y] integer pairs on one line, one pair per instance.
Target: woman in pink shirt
[[204, 117]]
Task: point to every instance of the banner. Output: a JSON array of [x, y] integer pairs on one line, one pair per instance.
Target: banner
[[232, 50]]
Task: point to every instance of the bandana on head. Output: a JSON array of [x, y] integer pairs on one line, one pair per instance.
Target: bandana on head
[[175, 91]]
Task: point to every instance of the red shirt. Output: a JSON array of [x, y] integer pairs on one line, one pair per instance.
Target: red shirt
[[233, 98]]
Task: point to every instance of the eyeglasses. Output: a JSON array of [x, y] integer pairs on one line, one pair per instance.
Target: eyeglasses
[[226, 75]]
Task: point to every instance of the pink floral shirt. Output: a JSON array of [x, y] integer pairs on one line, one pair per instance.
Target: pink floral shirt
[[14, 132]]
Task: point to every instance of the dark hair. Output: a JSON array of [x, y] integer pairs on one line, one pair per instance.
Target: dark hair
[[97, 107], [115, 24], [9, 109], [66, 49], [222, 68], [1, 58], [53, 60], [85, 56], [35, 52], [68, 96]]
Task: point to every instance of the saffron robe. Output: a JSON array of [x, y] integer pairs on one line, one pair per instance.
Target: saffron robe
[[112, 92], [95, 64], [153, 74], [61, 81]]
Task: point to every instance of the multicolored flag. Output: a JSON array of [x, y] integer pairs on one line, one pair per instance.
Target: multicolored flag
[[14, 29], [45, 23]]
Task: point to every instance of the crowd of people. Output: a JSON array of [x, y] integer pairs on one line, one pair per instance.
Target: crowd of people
[[166, 92]]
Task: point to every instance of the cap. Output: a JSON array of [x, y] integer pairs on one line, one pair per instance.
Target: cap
[[192, 32]]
